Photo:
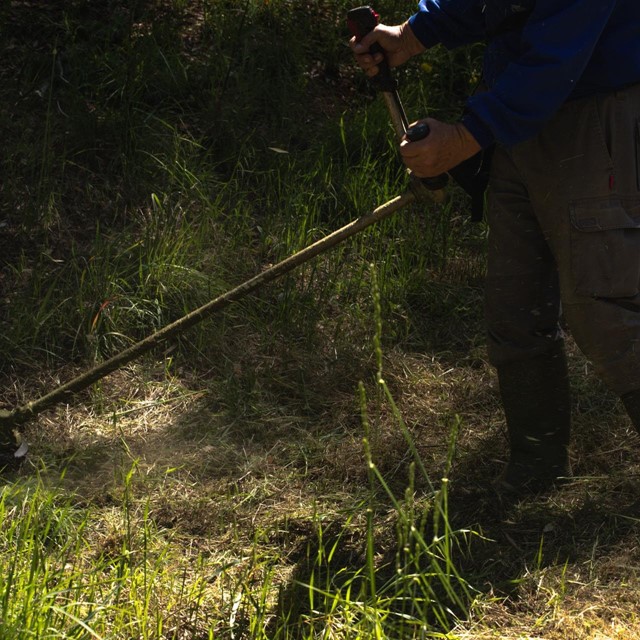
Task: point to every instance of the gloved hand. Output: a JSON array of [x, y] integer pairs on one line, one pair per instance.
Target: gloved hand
[[446, 146], [398, 42]]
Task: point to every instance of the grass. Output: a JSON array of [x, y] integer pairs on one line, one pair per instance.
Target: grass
[[121, 567], [313, 462]]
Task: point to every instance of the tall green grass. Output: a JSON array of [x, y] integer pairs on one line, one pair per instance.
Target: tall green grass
[[161, 154], [58, 583], [148, 180], [72, 570]]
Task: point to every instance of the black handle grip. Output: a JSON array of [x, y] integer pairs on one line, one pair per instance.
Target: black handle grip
[[419, 132], [361, 21]]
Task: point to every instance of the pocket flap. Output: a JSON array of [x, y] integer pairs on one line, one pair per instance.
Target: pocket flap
[[606, 213]]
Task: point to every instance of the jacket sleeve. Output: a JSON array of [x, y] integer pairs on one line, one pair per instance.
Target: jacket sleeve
[[540, 71], [449, 22], [556, 45]]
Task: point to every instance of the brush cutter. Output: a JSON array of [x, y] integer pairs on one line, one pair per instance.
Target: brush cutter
[[472, 175], [360, 21]]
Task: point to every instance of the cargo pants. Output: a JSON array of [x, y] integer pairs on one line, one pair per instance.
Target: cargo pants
[[564, 239]]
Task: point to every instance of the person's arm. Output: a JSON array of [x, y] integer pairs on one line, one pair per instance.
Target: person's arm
[[452, 23], [557, 43], [446, 146], [399, 44]]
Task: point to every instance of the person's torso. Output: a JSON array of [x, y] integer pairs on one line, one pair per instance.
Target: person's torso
[[615, 60], [502, 16]]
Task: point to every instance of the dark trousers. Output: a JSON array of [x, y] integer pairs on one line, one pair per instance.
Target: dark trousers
[[564, 236]]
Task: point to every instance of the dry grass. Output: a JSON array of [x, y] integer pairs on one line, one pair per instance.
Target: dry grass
[[561, 566]]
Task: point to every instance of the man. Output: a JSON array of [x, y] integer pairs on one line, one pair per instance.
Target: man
[[562, 106]]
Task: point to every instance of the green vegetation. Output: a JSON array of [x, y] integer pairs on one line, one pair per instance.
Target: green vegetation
[[314, 462]]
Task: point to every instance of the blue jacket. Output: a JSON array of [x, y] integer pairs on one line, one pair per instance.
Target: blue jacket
[[540, 53]]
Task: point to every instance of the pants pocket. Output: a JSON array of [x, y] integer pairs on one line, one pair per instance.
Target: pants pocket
[[605, 247]]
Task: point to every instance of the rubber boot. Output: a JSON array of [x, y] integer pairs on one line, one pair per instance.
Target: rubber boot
[[537, 404], [631, 403]]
